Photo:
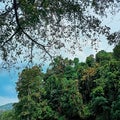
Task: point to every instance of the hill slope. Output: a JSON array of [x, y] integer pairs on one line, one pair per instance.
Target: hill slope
[[8, 106]]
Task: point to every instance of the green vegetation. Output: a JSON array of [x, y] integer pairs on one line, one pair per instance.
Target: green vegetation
[[70, 90], [7, 115]]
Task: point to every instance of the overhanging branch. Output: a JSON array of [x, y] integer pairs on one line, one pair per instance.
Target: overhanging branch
[[19, 27], [34, 41]]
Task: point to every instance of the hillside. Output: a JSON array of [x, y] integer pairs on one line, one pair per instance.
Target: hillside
[[5, 107]]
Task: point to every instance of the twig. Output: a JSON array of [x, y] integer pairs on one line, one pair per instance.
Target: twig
[[9, 39], [7, 12], [34, 41]]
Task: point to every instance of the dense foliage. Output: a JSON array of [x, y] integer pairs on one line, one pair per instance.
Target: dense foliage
[[7, 115], [70, 90]]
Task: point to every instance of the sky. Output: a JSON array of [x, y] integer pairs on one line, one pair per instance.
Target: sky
[[8, 79]]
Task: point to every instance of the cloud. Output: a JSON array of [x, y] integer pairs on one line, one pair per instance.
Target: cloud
[[6, 100]]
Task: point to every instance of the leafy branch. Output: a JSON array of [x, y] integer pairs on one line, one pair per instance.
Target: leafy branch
[[19, 27]]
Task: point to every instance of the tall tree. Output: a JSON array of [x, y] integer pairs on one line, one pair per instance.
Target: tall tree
[[64, 97], [31, 105]]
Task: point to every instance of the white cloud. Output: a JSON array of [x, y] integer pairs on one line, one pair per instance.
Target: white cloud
[[6, 100]]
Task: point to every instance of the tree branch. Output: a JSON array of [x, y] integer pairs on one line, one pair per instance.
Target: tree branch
[[19, 27], [9, 39], [16, 13], [34, 41]]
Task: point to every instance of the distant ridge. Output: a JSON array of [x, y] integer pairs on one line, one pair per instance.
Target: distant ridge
[[5, 107]]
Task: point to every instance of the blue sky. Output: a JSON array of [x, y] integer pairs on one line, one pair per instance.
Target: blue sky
[[7, 87], [8, 79]]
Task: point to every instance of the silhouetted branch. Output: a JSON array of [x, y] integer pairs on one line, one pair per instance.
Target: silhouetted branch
[[16, 13], [34, 41], [19, 27], [9, 39]]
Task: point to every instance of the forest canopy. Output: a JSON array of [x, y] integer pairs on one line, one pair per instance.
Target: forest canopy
[[70, 90]]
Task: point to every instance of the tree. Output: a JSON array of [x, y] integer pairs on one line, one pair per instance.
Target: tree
[[61, 85], [113, 81], [100, 108], [116, 51], [7, 115], [90, 60], [31, 105], [86, 83], [105, 94], [115, 111], [64, 97], [103, 57], [27, 25]]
